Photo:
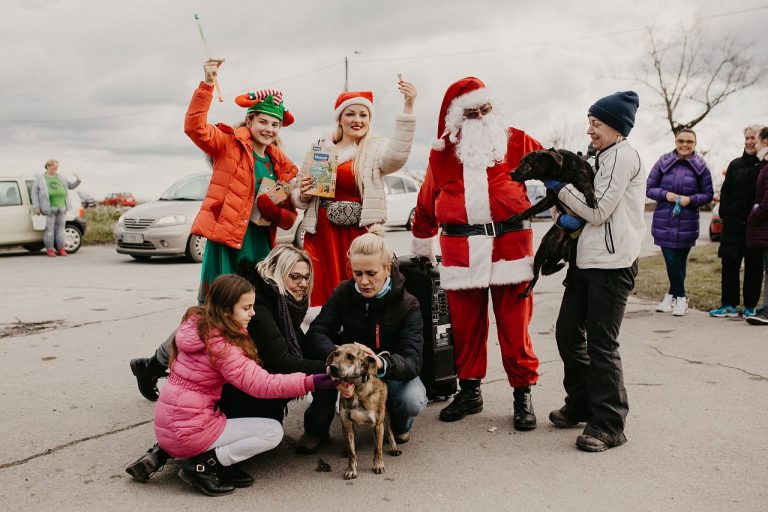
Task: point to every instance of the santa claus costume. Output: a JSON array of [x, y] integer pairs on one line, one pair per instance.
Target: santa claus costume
[[469, 193]]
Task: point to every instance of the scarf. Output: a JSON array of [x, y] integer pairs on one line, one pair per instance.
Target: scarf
[[290, 313]]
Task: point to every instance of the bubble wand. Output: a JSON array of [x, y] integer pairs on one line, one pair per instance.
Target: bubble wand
[[205, 43]]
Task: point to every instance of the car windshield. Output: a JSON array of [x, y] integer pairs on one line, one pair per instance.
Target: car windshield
[[191, 188]]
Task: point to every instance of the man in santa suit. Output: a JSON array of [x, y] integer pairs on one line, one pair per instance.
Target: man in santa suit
[[468, 192]]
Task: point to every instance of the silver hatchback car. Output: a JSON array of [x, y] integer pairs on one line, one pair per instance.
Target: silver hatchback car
[[162, 227]]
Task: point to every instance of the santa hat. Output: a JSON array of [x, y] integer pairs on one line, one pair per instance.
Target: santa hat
[[345, 99], [266, 101], [465, 93]]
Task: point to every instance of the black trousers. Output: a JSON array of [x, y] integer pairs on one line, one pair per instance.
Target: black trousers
[[587, 334], [753, 277], [235, 403]]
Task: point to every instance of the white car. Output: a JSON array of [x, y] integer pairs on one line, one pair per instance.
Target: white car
[[401, 194], [162, 227], [16, 217]]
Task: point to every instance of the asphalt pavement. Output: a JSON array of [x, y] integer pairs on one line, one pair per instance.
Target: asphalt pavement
[[73, 418]]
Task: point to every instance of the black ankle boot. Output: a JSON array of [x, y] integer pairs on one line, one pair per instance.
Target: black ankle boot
[[524, 418], [204, 474], [236, 476], [468, 400], [148, 464], [147, 372]]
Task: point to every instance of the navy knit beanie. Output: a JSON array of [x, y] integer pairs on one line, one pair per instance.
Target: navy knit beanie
[[617, 110]]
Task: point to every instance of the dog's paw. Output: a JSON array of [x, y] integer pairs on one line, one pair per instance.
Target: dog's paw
[[378, 469], [395, 451], [350, 474]]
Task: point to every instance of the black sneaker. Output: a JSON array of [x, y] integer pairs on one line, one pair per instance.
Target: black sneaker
[[760, 318]]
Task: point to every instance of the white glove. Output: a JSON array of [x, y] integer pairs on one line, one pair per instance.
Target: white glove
[[424, 247]]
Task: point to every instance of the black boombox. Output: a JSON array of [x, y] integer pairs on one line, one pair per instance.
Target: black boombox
[[438, 371]]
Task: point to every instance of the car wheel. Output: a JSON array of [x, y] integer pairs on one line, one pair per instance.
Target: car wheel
[[195, 248], [33, 247], [73, 238], [299, 240], [140, 257], [409, 223]]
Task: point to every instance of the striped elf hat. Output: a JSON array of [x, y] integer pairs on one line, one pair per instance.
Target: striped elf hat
[[266, 101]]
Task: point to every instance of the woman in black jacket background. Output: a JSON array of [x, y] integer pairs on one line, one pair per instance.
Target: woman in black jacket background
[[736, 198], [372, 309], [283, 283]]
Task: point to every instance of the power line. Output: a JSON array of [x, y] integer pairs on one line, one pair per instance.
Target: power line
[[401, 58]]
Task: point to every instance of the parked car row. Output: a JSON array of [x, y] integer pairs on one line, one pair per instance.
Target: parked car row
[[16, 217]]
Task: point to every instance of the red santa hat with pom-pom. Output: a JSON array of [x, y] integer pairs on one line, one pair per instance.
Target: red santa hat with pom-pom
[[468, 92]]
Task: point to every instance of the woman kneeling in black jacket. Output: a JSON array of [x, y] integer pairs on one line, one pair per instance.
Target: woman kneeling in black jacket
[[372, 309]]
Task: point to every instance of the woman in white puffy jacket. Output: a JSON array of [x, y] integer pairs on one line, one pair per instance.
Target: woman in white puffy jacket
[[331, 224]]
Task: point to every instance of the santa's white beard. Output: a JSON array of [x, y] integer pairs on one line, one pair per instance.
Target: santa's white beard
[[482, 142]]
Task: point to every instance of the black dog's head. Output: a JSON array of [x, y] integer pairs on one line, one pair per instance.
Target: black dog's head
[[561, 165], [539, 165]]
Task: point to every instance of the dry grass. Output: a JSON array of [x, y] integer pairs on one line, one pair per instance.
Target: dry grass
[[702, 282], [101, 221]]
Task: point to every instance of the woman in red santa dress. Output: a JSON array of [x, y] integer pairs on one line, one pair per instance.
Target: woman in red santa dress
[[468, 192], [359, 201]]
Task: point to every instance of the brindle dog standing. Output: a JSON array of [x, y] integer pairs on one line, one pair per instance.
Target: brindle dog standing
[[368, 406], [561, 165]]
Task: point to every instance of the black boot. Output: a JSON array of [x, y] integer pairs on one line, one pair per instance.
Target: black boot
[[236, 476], [147, 372], [468, 400], [524, 418], [204, 474], [148, 464]]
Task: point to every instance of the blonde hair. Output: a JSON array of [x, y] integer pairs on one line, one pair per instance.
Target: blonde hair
[[51, 162], [249, 118], [278, 265], [372, 243], [338, 134]]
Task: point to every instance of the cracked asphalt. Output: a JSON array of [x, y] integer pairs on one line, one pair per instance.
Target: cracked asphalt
[[73, 419]]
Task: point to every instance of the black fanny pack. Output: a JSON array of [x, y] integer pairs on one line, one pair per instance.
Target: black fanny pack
[[491, 229]]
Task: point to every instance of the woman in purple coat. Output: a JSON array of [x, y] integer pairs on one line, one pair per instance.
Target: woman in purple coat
[[680, 182]]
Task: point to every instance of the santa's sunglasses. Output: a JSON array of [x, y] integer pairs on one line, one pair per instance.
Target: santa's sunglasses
[[474, 113]]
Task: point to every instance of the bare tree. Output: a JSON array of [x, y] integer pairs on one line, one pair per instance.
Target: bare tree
[[692, 74], [568, 136]]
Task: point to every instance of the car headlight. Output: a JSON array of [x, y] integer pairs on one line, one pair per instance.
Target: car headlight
[[170, 220]]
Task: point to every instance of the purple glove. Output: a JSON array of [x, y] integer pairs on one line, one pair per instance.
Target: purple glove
[[324, 381]]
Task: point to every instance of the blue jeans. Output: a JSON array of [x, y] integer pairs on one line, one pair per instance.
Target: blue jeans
[[54, 228], [676, 261], [405, 400]]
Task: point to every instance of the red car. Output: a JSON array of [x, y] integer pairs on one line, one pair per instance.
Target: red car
[[119, 199], [715, 224]]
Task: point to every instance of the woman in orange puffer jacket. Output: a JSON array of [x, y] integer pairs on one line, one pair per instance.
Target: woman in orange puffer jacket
[[242, 157]]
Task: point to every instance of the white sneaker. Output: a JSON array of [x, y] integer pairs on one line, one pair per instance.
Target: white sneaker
[[679, 306], [665, 306]]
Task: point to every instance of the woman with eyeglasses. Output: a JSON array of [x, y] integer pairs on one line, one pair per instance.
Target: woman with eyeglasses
[[282, 282], [680, 182], [359, 201]]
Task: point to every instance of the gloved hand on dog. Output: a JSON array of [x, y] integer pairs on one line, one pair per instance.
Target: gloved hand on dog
[[324, 381], [570, 222], [553, 185]]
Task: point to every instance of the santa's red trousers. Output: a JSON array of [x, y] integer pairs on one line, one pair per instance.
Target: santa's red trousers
[[469, 320]]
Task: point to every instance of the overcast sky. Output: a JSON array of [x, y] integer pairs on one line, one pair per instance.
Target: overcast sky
[[103, 86]]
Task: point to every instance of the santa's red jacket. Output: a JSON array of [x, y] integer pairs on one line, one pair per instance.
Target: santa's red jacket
[[453, 193]]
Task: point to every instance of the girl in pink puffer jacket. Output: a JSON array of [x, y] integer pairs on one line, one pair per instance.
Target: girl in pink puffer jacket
[[212, 347]]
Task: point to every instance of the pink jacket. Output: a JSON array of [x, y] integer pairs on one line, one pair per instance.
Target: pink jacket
[[187, 421]]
